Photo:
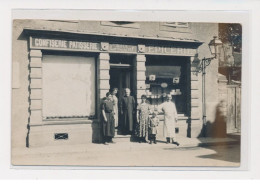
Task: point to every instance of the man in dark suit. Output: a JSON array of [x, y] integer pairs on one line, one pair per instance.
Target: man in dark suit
[[127, 109]]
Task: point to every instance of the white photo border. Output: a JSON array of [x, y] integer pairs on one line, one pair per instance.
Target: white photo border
[[241, 17]]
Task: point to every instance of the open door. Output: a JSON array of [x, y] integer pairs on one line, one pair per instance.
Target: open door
[[121, 78]]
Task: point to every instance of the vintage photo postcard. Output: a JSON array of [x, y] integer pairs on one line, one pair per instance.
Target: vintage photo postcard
[[126, 93]]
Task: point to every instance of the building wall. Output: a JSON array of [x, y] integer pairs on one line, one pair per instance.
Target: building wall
[[205, 32], [20, 94], [20, 85]]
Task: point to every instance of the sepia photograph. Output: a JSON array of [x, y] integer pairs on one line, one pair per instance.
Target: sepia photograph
[[126, 93]]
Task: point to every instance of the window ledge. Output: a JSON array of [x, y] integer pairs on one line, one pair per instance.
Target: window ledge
[[64, 122]]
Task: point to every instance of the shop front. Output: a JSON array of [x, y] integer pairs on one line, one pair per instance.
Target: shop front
[[70, 75]]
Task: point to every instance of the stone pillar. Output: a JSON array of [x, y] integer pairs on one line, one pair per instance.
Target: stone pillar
[[35, 87], [103, 87], [139, 76], [196, 124], [35, 94], [103, 78]]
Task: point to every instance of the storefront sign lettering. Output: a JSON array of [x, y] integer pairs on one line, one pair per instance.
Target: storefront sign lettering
[[63, 44], [56, 44], [50, 43], [169, 50], [123, 48], [83, 45]]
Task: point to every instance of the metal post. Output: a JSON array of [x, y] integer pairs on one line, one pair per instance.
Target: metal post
[[205, 62], [202, 68], [204, 96]]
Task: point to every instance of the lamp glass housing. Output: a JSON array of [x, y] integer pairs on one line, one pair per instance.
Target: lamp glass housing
[[213, 46]]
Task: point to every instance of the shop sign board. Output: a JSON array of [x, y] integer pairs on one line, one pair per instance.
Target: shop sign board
[[122, 48], [58, 44], [170, 50]]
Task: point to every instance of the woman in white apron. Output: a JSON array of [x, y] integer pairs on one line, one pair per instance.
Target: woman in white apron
[[170, 119]]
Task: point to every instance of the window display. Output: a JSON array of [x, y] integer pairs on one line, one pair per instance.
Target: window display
[[169, 77]]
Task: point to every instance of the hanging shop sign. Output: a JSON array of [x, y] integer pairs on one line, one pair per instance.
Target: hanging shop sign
[[176, 80], [61, 44], [152, 77]]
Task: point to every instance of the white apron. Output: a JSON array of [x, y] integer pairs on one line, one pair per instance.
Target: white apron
[[170, 115]]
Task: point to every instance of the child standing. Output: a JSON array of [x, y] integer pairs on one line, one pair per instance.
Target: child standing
[[153, 124]]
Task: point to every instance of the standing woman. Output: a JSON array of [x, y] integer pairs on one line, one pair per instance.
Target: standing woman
[[107, 119], [141, 129], [115, 103]]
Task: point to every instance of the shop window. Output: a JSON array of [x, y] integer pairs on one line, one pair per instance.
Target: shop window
[[177, 24], [175, 27], [64, 21], [68, 84], [168, 75]]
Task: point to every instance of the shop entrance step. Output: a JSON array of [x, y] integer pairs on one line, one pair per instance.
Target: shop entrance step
[[122, 138]]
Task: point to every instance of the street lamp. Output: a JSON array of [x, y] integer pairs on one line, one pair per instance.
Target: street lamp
[[214, 49], [213, 46]]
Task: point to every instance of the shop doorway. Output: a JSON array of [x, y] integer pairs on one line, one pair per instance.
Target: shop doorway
[[121, 77], [121, 73]]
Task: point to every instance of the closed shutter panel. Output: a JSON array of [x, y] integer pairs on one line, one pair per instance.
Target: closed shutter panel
[[68, 86]]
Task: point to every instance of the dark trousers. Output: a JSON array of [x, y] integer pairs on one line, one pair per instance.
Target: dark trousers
[[152, 138]]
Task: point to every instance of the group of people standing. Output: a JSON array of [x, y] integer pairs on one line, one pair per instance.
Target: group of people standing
[[135, 120]]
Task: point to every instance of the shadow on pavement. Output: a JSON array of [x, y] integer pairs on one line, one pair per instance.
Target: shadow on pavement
[[230, 153], [214, 137], [225, 151]]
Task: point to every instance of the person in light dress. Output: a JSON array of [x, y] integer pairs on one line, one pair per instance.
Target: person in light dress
[[170, 119]]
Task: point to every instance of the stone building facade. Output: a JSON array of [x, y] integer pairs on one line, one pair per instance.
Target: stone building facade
[[63, 69]]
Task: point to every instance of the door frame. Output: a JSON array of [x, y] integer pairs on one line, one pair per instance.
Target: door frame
[[131, 73]]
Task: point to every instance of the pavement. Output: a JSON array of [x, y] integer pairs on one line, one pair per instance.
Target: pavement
[[123, 143]]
